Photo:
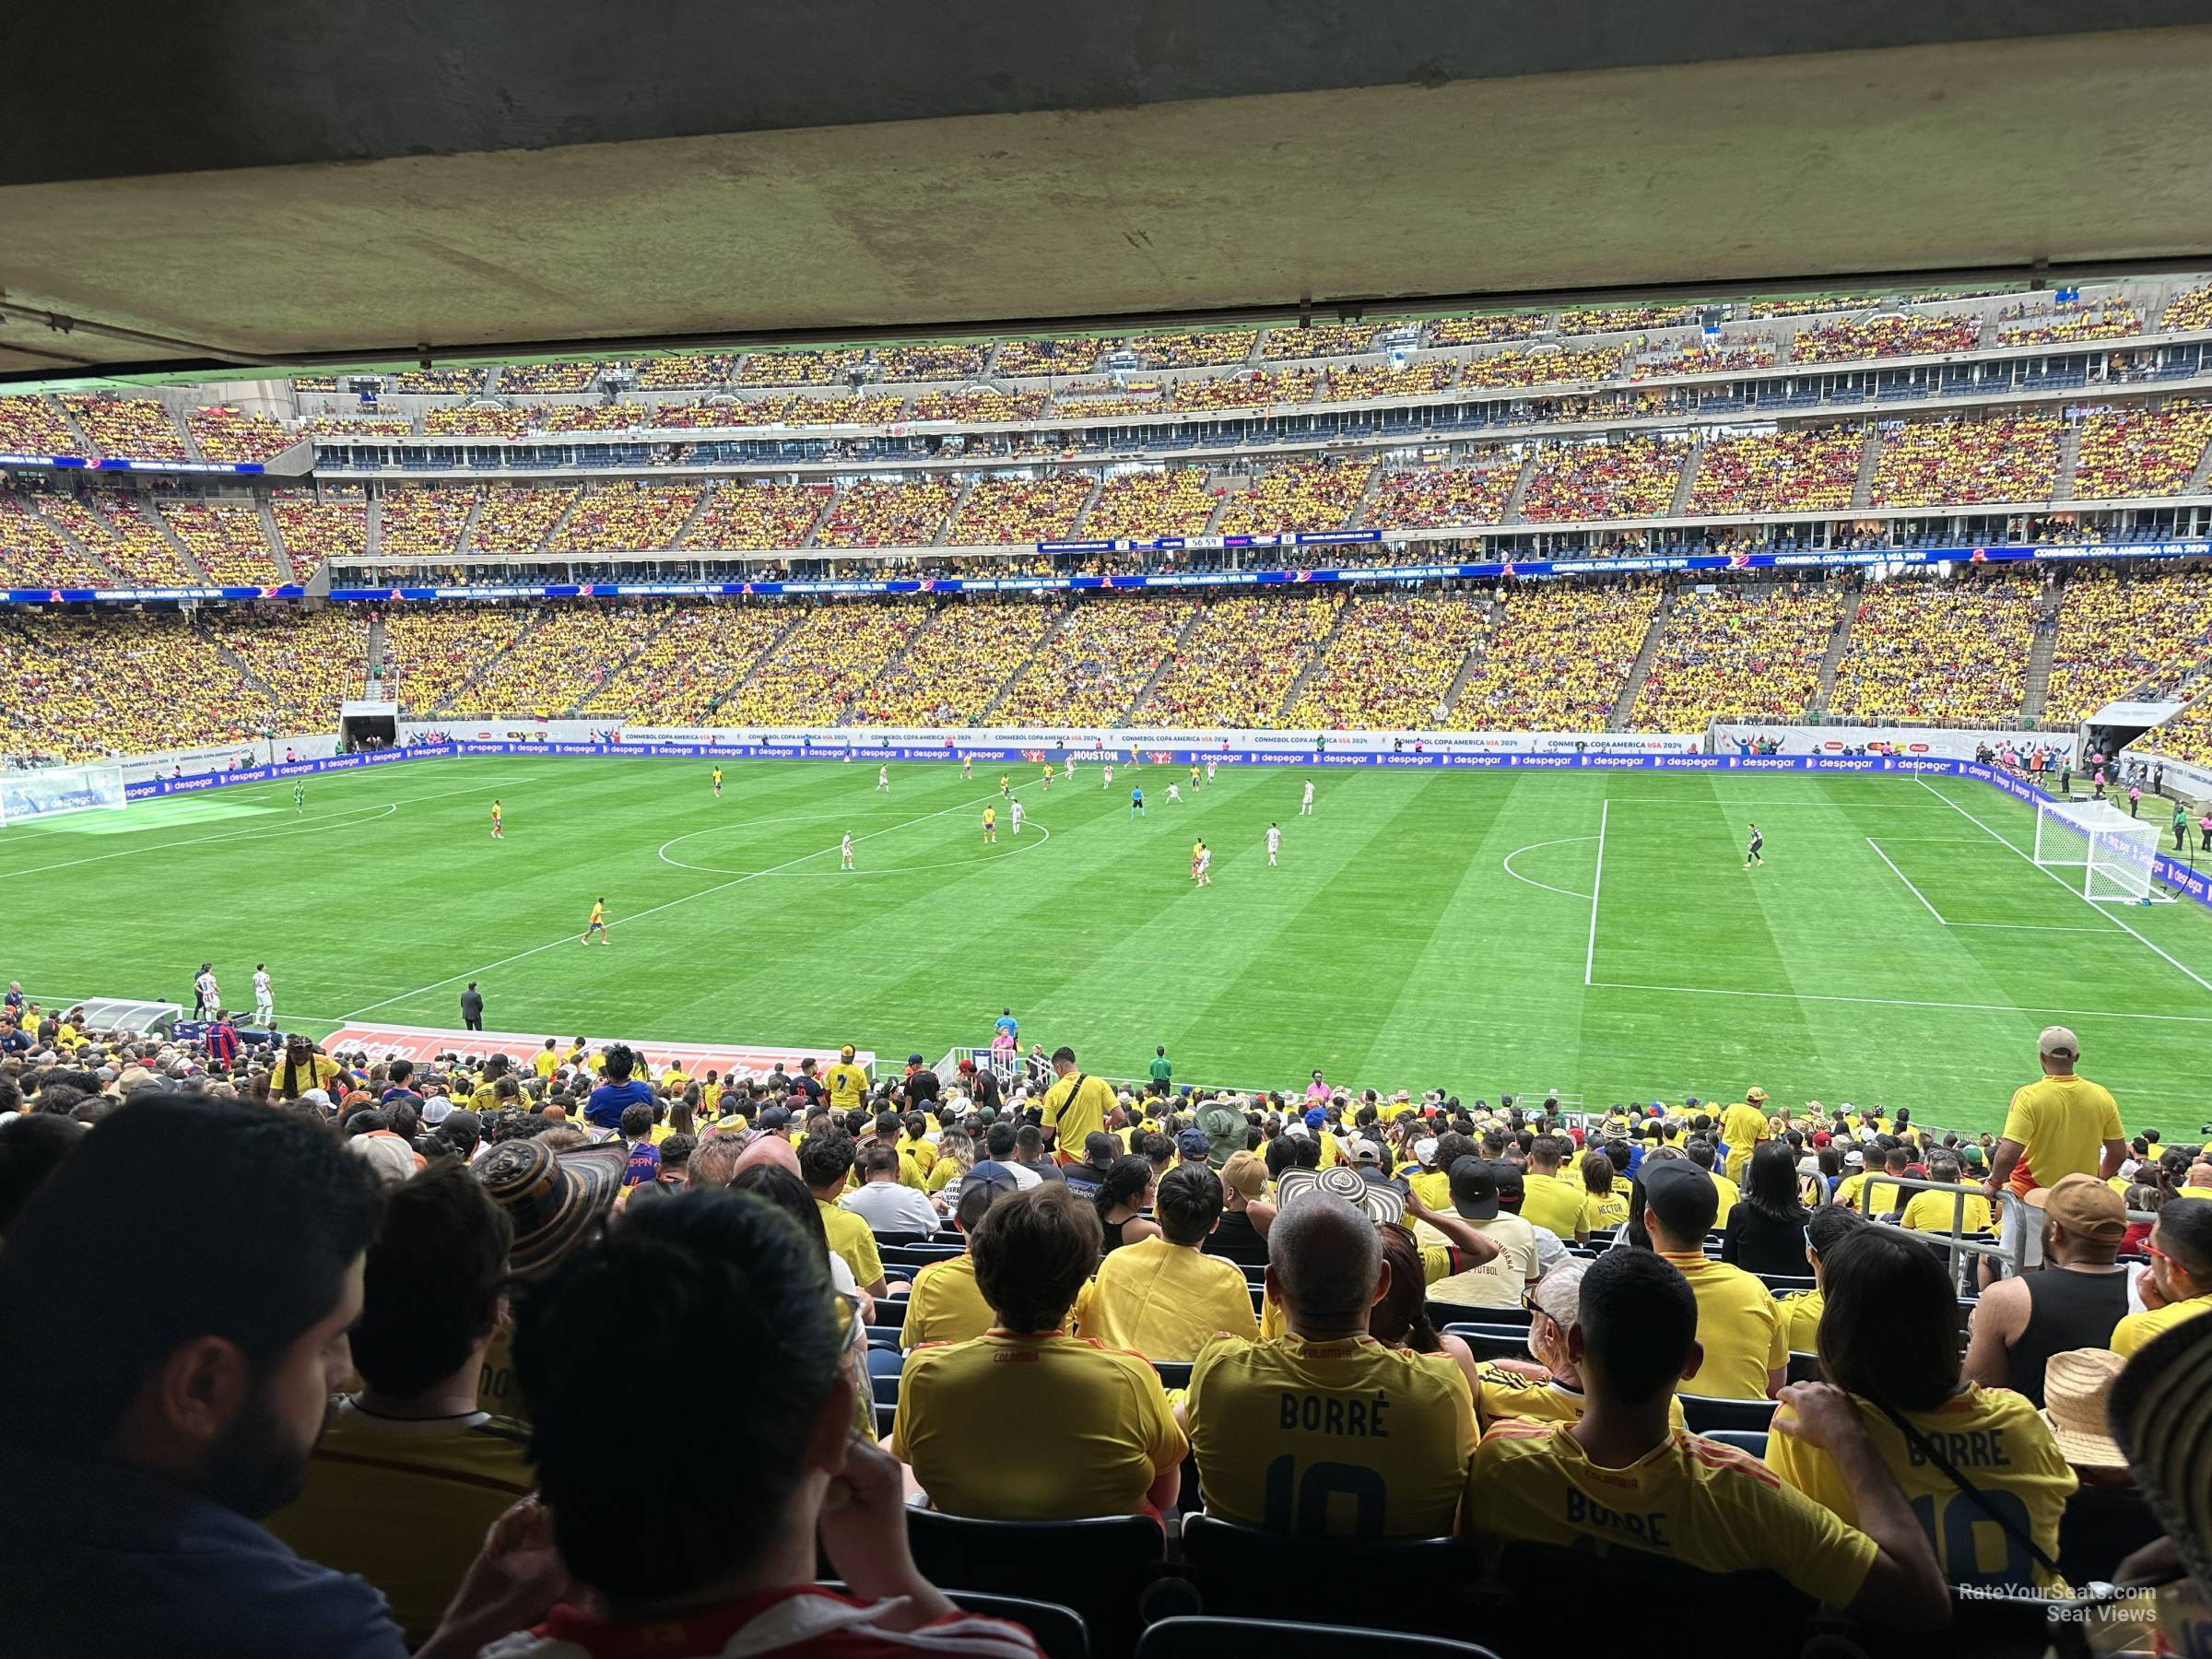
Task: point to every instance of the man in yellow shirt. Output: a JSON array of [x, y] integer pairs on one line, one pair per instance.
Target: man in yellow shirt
[[1700, 1153], [1619, 1477], [1075, 1108], [1548, 1198], [1323, 1429], [2178, 1285], [847, 1083], [825, 1163], [547, 1062], [1933, 1212], [2052, 1128], [945, 1304], [1163, 1297], [1745, 1356], [1743, 1126], [1097, 1435]]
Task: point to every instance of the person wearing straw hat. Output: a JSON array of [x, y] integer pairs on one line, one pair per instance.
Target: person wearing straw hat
[[2076, 1385], [554, 1200], [2157, 1413]]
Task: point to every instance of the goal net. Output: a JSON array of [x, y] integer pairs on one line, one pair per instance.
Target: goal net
[[2115, 853], [48, 791]]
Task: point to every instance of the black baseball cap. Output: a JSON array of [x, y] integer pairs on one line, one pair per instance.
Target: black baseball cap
[[1681, 1194], [1475, 1189]]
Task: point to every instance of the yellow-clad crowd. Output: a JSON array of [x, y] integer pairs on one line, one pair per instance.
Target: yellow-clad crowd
[[1926, 649], [1176, 502], [799, 367], [434, 650], [1240, 660], [2121, 638], [576, 376], [576, 644], [624, 516], [999, 511], [422, 523], [682, 675], [115, 532], [310, 660], [1557, 366], [2140, 451], [79, 686], [1487, 328], [895, 513], [1910, 334], [1630, 476], [135, 428], [1349, 381], [1433, 497], [514, 518], [1303, 495], [1730, 356], [740, 515], [979, 403], [1259, 388], [933, 360], [1803, 469], [827, 660], [1391, 663], [1753, 650], [1558, 660], [2109, 319], [956, 663], [2003, 458], [33, 553], [226, 434], [1195, 348], [1318, 340], [1075, 355], [34, 426], [227, 539], [311, 527], [859, 409], [1092, 672]]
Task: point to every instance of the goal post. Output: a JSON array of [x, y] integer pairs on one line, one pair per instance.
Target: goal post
[[53, 791], [2116, 853]]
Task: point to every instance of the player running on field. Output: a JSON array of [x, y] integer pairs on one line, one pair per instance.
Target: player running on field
[[300, 797], [967, 766], [990, 824], [1206, 865], [1193, 780], [1018, 816], [499, 831], [845, 853], [1196, 848], [883, 780], [718, 782], [1210, 772], [1275, 842], [1048, 777], [597, 925], [1107, 782], [1136, 803], [1175, 793], [1003, 792], [1306, 805], [1751, 854]]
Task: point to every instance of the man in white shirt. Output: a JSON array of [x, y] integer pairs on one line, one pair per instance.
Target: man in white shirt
[[883, 1203], [206, 998], [1497, 1283]]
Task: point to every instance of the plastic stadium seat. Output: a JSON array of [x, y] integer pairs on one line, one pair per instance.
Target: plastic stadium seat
[[1491, 1342], [1060, 1631], [2102, 1526], [1173, 1373], [883, 1335], [1755, 1615], [1442, 1313], [1239, 1572], [1753, 1440], [1804, 1367], [1102, 1565], [1264, 1639], [1704, 1412]]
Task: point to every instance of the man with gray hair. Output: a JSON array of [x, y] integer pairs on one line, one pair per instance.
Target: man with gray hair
[[2061, 1124], [1324, 1430]]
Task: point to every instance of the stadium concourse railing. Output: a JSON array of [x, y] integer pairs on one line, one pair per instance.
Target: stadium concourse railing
[[1959, 1245], [2185, 882]]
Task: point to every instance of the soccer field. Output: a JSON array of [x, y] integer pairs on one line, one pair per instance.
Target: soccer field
[[1477, 932]]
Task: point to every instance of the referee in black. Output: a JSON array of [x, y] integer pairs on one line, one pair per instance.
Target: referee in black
[[1751, 853]]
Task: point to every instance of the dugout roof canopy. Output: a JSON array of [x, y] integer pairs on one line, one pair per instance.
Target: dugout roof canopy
[[248, 183]]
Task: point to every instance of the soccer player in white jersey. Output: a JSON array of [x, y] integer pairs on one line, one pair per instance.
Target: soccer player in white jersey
[[1275, 842], [883, 778], [1206, 865], [264, 1000], [1306, 805], [206, 995], [1175, 792], [1019, 815], [1209, 770], [1107, 782], [845, 853]]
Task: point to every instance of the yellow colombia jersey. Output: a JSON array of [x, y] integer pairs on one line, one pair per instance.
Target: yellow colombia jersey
[[1801, 1319], [1707, 1505], [1106, 1430], [847, 1084], [945, 1304], [1738, 1326], [497, 1391], [1611, 1210], [1507, 1393], [2063, 1123], [546, 1063], [1074, 1113], [850, 1237], [1165, 1301], [1434, 1189], [1994, 1437], [1347, 1437], [404, 1503], [1731, 1196], [1930, 1211], [941, 1173], [1546, 1201], [2136, 1329]]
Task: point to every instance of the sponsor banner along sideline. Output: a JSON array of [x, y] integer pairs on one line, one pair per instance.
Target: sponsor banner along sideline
[[1953, 743], [423, 1044]]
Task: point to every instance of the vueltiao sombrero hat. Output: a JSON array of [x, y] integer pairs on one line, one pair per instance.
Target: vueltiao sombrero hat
[[1382, 1204], [2161, 1415], [553, 1198]]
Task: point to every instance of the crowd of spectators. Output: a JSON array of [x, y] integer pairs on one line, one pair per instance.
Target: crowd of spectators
[[1892, 335], [888, 512], [1999, 458], [826, 661], [1302, 495], [1240, 659], [1626, 319], [858, 408], [422, 523], [483, 420], [684, 372], [2187, 312], [310, 660], [800, 368], [2124, 636], [936, 360], [957, 661], [1797, 469], [1075, 355], [224, 433], [576, 645], [1349, 381], [225, 538], [1734, 354], [1391, 663], [1093, 671], [137, 429], [1174, 501], [1487, 328], [2112, 318], [1193, 349], [980, 404], [1556, 660], [1626, 476], [78, 687], [109, 524], [1926, 649], [2140, 451], [347, 426], [1431, 498], [1318, 340], [314, 525], [1753, 650], [683, 673], [514, 518], [1557, 366], [34, 426], [1000, 511], [572, 376], [1259, 388], [34, 554], [438, 382], [623, 515], [434, 650], [740, 515]]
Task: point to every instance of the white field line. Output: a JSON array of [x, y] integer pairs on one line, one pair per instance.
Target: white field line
[[1597, 882]]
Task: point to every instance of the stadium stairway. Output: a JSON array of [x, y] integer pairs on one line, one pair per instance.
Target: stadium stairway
[[1221, 484], [82, 549], [552, 536], [1044, 643], [2069, 458], [244, 670], [1510, 513], [1861, 492], [372, 656], [2201, 479], [1368, 492], [1167, 661], [84, 441], [706, 494], [373, 526], [1639, 670], [1098, 484], [529, 627], [2041, 646], [1679, 505], [1318, 654], [468, 524], [952, 516], [605, 672], [1839, 642], [1492, 616], [184, 557], [286, 570]]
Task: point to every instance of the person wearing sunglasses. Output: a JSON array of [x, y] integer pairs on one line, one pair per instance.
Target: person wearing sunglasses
[[2178, 1283]]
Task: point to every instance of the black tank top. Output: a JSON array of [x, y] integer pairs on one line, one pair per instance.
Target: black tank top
[[1113, 1235], [1237, 1240], [2065, 1309]]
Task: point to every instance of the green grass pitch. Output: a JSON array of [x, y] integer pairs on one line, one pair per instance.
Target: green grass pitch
[[1424, 929]]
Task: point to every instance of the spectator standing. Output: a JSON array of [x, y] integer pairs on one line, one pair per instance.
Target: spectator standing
[[1161, 1071], [1634, 1341], [1746, 1355], [302, 1071], [1097, 1435], [1075, 1107], [1163, 1297], [1286, 1432], [1743, 1126], [410, 1475], [1766, 1230], [714, 1553], [883, 1202], [1889, 1338], [2054, 1126]]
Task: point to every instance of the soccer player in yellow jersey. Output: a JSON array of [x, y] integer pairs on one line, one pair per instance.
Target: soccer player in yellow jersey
[[990, 824], [1324, 1428], [1097, 1438], [1004, 791], [1620, 1477], [967, 766], [1888, 1339], [498, 832], [1048, 775], [718, 782], [597, 925]]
